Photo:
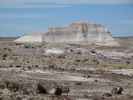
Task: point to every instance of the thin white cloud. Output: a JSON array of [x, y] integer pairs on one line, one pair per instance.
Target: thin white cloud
[[95, 1], [71, 1], [33, 6], [30, 4]]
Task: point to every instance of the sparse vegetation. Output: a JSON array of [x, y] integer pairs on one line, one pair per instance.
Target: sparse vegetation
[[27, 73]]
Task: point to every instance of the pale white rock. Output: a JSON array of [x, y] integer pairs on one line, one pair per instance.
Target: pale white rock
[[29, 39], [128, 72], [54, 51]]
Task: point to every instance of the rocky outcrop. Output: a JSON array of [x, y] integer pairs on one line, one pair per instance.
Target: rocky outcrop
[[76, 32]]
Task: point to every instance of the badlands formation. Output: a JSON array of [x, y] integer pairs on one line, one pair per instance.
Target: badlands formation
[[66, 71], [62, 68], [77, 32]]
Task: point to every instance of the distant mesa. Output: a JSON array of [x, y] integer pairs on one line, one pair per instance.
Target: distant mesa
[[77, 32]]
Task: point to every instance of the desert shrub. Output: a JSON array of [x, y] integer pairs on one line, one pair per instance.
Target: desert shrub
[[41, 89], [28, 88], [18, 66], [77, 60], [36, 66], [127, 62], [13, 86], [58, 91], [28, 46], [51, 66], [10, 66], [5, 55], [2, 85], [96, 61], [93, 51], [78, 83]]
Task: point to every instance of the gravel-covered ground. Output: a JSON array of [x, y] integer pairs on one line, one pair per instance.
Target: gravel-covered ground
[[65, 72]]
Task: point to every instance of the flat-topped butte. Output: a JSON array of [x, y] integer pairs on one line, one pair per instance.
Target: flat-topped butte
[[77, 32]]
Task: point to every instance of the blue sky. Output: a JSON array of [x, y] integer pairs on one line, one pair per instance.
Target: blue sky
[[18, 17]]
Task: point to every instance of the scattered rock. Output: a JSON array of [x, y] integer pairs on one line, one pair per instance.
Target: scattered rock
[[6, 91], [117, 91]]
